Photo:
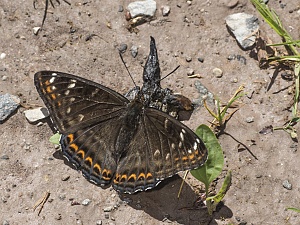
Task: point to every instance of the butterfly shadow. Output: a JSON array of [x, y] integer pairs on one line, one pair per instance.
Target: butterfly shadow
[[163, 204]]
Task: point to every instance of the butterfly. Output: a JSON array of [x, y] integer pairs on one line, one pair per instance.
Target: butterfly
[[131, 143]]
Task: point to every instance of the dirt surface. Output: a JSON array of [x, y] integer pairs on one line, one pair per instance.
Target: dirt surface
[[259, 163]]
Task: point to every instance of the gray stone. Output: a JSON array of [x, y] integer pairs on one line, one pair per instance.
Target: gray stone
[[123, 48], [286, 184], [8, 104], [204, 93], [244, 27], [142, 8], [134, 51], [5, 157], [5, 222], [33, 115], [99, 222]]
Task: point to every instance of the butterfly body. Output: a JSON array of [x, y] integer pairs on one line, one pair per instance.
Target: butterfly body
[[130, 143]]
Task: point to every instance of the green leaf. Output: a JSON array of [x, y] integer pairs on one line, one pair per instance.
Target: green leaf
[[225, 187], [54, 139], [214, 164], [294, 209]]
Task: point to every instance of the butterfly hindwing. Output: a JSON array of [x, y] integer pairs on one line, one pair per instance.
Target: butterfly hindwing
[[161, 147]]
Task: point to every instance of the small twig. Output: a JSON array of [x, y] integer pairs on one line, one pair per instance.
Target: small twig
[[181, 186], [41, 202], [195, 76]]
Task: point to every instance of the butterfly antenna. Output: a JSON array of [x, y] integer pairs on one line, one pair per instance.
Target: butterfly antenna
[[127, 68], [170, 73]]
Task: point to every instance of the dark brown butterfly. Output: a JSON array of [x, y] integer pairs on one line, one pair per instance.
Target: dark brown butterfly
[[130, 143]]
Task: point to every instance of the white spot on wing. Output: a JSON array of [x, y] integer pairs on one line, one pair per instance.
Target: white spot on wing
[[72, 85], [67, 92], [54, 74], [180, 144], [198, 141], [156, 153], [183, 131], [181, 136], [168, 156], [195, 146], [68, 110], [52, 79], [80, 117], [189, 151], [72, 99], [173, 146], [53, 88]]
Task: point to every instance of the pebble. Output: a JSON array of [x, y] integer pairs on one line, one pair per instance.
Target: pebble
[[142, 8], [86, 202], [286, 184], [5, 222], [65, 177], [244, 27], [200, 59], [34, 115], [123, 48], [99, 222], [58, 217], [189, 2], [4, 78], [8, 104], [190, 72], [5, 157], [250, 119], [108, 209], [121, 9], [240, 220], [79, 222], [2, 55], [165, 9], [188, 59], [62, 197], [106, 216], [217, 72], [134, 51], [232, 3], [36, 30]]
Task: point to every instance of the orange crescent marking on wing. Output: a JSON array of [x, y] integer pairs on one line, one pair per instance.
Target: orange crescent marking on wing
[[71, 137], [149, 175], [105, 174], [90, 160], [81, 152], [132, 176], [97, 166], [142, 175]]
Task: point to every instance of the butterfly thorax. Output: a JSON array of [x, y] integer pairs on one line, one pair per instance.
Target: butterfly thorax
[[130, 121]]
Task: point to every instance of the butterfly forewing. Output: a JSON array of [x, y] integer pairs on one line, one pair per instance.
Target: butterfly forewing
[[75, 102]]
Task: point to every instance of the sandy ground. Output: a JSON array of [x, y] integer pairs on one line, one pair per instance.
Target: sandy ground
[[34, 166]]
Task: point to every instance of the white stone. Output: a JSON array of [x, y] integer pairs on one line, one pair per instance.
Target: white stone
[[33, 115]]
